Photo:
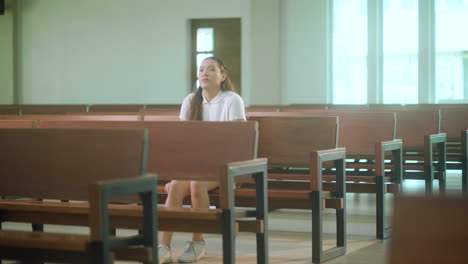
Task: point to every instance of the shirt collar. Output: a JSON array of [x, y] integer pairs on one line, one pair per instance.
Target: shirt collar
[[216, 99]]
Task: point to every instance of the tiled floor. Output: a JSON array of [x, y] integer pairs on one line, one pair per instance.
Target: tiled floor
[[290, 237]]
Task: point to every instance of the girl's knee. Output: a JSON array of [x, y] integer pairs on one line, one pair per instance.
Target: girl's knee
[[201, 187], [177, 188]]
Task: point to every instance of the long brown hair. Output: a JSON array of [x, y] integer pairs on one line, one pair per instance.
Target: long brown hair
[[196, 104]]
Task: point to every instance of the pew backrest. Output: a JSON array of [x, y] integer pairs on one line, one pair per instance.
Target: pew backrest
[[10, 109], [358, 131], [413, 125], [16, 123], [115, 107], [150, 117], [52, 109], [189, 149], [61, 163], [101, 117], [452, 121], [287, 141]]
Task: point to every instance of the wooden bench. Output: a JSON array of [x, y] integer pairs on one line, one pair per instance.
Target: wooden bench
[[116, 107], [80, 165], [10, 109], [454, 122], [307, 143], [16, 123], [419, 130], [47, 109], [77, 117], [429, 230], [162, 106], [263, 108], [173, 154], [368, 139], [147, 117]]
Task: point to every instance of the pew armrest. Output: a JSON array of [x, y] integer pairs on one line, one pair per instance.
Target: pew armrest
[[317, 158], [441, 140], [258, 169], [396, 147], [100, 195]]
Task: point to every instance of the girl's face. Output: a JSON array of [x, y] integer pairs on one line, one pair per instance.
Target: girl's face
[[210, 74]]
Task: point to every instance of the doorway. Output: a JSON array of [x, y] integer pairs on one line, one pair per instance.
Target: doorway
[[220, 38]]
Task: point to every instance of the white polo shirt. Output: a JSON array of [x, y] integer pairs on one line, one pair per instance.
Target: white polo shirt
[[226, 106]]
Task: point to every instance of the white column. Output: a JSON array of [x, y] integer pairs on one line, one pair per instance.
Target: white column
[[7, 55], [426, 52], [375, 52], [329, 57]]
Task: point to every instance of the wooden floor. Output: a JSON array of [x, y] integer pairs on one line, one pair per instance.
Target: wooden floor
[[290, 237]]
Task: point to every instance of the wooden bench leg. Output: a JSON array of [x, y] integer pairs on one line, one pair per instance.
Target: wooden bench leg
[[442, 166], [318, 255], [37, 227], [442, 182], [229, 246], [464, 161], [465, 176], [262, 213], [382, 231], [99, 254], [429, 178], [317, 227]]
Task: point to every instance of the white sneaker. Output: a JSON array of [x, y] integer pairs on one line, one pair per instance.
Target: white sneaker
[[194, 250], [164, 254]]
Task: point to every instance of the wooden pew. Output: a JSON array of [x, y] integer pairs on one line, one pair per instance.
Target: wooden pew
[[371, 137], [454, 122], [173, 154], [116, 107], [74, 164], [419, 130], [162, 106], [368, 139], [149, 117], [161, 111], [52, 109], [304, 106], [263, 108], [304, 142], [10, 109], [16, 123], [429, 230], [116, 113], [77, 117]]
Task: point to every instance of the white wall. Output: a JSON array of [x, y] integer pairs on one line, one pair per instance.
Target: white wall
[[303, 51], [6, 56], [110, 51], [137, 51], [265, 49]]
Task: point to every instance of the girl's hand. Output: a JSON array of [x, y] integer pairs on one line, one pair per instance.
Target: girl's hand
[[167, 186]]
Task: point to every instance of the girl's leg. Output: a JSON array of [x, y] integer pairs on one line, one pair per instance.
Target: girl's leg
[[200, 199], [176, 191]]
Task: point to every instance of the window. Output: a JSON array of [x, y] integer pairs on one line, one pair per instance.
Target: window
[[350, 52], [401, 35], [220, 38], [204, 47], [451, 49], [400, 48]]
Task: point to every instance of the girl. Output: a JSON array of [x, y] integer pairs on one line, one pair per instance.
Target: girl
[[214, 100]]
